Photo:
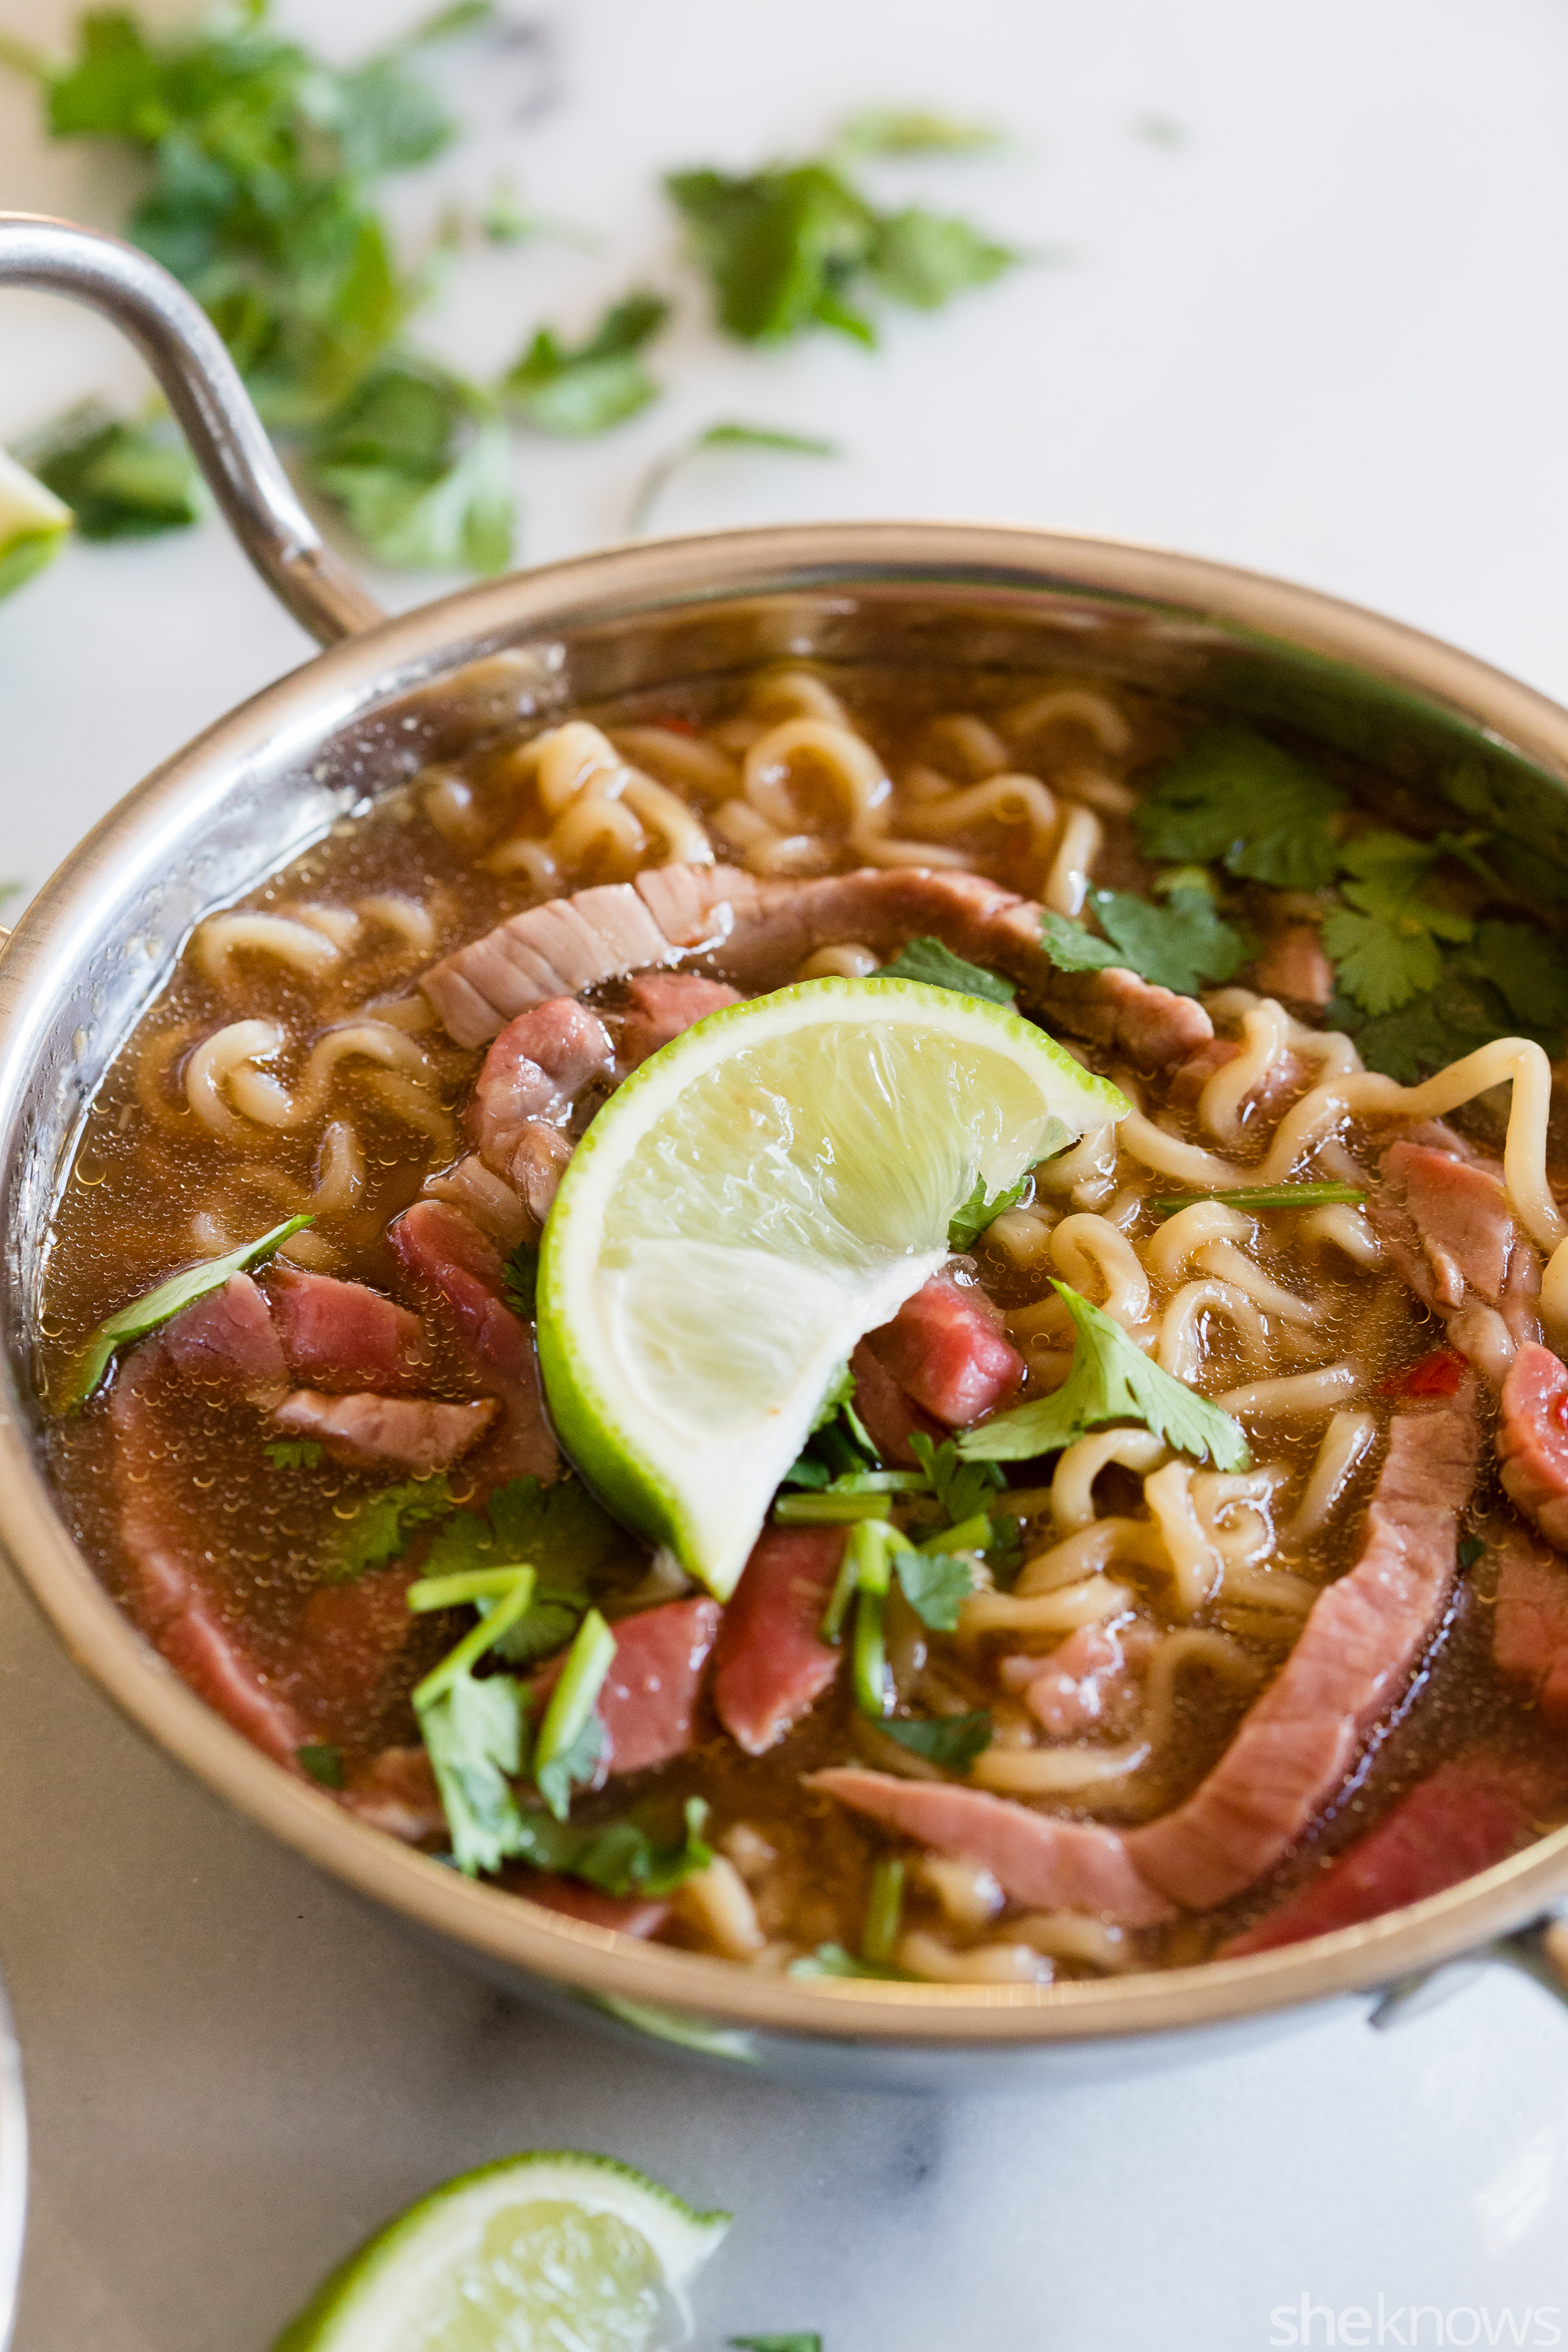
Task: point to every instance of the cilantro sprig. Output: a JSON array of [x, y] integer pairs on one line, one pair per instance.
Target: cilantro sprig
[[925, 959], [601, 382], [1110, 1379], [122, 478], [1230, 796], [1179, 945]]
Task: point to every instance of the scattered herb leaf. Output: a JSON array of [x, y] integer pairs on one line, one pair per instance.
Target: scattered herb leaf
[[520, 1280], [926, 960], [1471, 1548], [294, 1453], [1110, 1379], [952, 1741], [160, 1306], [1177, 946], [421, 468], [325, 1765], [384, 1525], [971, 1217], [474, 1732], [618, 1857], [936, 1584], [1232, 795], [601, 382], [121, 480], [772, 440], [963, 1488]]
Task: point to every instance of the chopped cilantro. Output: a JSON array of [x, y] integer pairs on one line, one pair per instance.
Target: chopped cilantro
[[294, 1453], [971, 1217], [1176, 946], [797, 245], [558, 1530], [1384, 940], [1234, 796], [572, 1767], [384, 1525], [421, 468], [963, 1488], [325, 1765], [570, 1738], [926, 960], [1463, 1010], [474, 1732], [618, 1857], [1073, 947], [833, 1960], [838, 1445], [769, 438], [601, 382], [1110, 1379], [1472, 1547], [952, 1740], [121, 480], [160, 1306], [1262, 1196], [520, 1280], [1528, 968], [936, 1584], [884, 1910]]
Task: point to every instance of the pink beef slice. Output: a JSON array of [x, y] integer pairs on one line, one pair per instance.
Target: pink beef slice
[[395, 1793], [226, 1343], [1361, 1637], [649, 1698], [455, 1270], [171, 1594], [945, 1347], [351, 1636], [761, 931], [413, 1434], [1035, 1858], [890, 1417], [624, 1914], [1084, 1682], [1446, 1221], [663, 1007], [341, 1335], [1458, 1821], [1530, 1623], [1532, 1440], [770, 1663], [527, 1090], [1293, 964]]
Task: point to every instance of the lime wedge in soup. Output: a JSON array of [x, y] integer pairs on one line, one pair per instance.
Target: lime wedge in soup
[[558, 2251], [33, 524], [760, 1194]]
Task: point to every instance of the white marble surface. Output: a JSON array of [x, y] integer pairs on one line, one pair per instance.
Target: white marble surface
[[1324, 335]]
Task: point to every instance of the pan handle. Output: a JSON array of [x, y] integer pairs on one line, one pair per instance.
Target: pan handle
[[202, 384]]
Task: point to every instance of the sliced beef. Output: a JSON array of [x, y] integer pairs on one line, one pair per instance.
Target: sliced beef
[[770, 1663], [664, 1005], [890, 1417], [226, 1343], [1530, 1623], [1458, 1821], [945, 1350], [624, 1914], [1084, 1685], [1293, 965], [1035, 1858], [1362, 1636], [340, 1336], [1446, 1221], [413, 1434], [350, 1636], [395, 1793], [455, 1270], [528, 1089], [760, 932], [171, 1593], [648, 1703], [1532, 1440]]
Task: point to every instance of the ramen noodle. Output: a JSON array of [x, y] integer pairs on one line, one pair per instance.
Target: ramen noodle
[[1169, 1709]]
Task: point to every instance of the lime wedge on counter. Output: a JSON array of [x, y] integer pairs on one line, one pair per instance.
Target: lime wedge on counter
[[33, 524], [561, 2252], [760, 1194]]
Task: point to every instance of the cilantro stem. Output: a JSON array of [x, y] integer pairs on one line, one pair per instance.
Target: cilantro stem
[[969, 1535], [469, 1584], [843, 1584], [476, 1642], [872, 1545], [826, 1510], [884, 1911], [1264, 1196], [572, 1700]]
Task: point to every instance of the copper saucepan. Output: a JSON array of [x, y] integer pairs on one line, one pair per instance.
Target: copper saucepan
[[389, 695]]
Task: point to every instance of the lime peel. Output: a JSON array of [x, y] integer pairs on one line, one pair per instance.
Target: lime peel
[[440, 2274], [762, 1192]]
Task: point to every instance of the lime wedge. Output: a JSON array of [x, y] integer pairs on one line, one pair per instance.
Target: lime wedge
[[33, 524], [561, 2252], [760, 1194]]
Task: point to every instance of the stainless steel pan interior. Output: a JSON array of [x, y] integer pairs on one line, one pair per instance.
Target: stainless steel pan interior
[[392, 694]]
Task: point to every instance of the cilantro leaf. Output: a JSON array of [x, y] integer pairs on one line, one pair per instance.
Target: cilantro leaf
[[558, 1530], [971, 1217], [803, 2340], [520, 1280], [952, 1740], [420, 468], [833, 1960], [1384, 942], [726, 434], [294, 1453], [121, 480], [1176, 946], [1234, 796], [599, 383], [384, 1525], [923, 259], [936, 1584], [963, 1489], [926, 960], [1071, 947], [1528, 968], [1110, 1379], [620, 1857], [325, 1765], [160, 1306], [572, 1767], [474, 1732]]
